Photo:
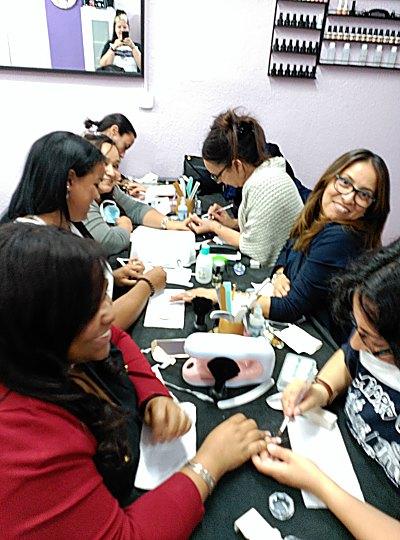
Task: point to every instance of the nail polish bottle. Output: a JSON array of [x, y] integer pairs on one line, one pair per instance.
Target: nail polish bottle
[[283, 45], [359, 34], [296, 47], [347, 33], [307, 22], [377, 56], [375, 36], [287, 70], [313, 22], [364, 34], [316, 47], [273, 70], [280, 70], [293, 22], [362, 59], [340, 34], [339, 7], [279, 22], [334, 32], [370, 35], [392, 37], [310, 48], [290, 46], [313, 72], [397, 41], [287, 20], [328, 32], [307, 72], [275, 47], [301, 21], [386, 37], [381, 36], [353, 8], [294, 71], [300, 73], [303, 47]]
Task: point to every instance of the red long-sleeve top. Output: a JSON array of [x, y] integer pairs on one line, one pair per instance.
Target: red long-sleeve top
[[50, 487]]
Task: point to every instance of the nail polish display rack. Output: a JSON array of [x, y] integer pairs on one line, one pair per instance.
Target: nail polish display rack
[[361, 38], [336, 33], [297, 37]]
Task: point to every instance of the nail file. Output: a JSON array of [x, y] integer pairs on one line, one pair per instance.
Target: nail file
[[284, 425]]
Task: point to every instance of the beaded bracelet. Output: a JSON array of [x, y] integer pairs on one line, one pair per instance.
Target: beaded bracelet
[[149, 283]]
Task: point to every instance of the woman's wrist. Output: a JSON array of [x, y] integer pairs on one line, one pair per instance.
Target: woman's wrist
[[148, 282], [328, 390]]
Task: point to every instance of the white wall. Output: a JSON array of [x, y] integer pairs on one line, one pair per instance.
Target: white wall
[[202, 58]]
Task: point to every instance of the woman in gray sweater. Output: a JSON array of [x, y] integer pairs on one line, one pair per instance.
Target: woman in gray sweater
[[114, 234]]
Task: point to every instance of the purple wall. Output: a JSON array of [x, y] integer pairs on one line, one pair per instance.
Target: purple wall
[[65, 36]]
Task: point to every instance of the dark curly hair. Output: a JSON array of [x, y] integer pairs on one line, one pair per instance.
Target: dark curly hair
[[375, 276]]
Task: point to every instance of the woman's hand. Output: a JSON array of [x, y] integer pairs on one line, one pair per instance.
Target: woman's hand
[[230, 444], [281, 285], [118, 43], [188, 296], [201, 226], [173, 225], [222, 216], [300, 396], [126, 276], [125, 223], [166, 419], [158, 277], [128, 41], [288, 468], [136, 190]]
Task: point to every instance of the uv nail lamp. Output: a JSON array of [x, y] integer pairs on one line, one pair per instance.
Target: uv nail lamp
[[254, 356]]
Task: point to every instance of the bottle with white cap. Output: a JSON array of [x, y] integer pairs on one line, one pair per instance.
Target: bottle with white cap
[[203, 271]]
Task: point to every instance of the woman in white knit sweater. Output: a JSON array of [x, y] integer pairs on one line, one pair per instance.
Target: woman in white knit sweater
[[234, 154]]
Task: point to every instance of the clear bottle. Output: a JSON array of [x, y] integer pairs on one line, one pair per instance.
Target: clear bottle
[[256, 322], [203, 271], [182, 209]]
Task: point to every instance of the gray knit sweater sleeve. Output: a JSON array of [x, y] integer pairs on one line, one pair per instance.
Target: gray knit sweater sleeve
[[113, 238], [134, 209], [270, 205]]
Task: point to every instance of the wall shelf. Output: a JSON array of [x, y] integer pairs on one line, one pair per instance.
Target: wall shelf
[[360, 15], [354, 65]]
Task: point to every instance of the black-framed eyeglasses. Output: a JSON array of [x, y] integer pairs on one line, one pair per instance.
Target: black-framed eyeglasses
[[217, 177], [362, 197], [381, 352]]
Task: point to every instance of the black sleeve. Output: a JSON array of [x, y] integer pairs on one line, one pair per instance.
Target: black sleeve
[[105, 48], [351, 358]]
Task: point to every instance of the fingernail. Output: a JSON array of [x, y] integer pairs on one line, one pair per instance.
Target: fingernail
[[278, 440], [271, 446]]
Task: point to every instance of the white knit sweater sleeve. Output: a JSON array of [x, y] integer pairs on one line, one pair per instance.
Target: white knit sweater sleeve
[[270, 205]]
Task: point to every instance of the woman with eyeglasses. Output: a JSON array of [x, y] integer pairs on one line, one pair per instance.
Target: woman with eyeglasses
[[234, 154], [344, 215], [368, 369]]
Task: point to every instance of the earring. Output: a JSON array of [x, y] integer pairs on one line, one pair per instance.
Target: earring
[[68, 190]]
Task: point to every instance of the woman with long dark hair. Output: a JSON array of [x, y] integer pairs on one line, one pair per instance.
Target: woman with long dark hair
[[59, 182], [367, 368], [72, 407]]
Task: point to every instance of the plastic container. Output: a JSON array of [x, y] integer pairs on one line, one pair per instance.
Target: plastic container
[[182, 210], [203, 271], [256, 322]]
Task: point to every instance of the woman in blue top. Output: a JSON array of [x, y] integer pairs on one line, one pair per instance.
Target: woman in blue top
[[344, 215], [368, 368]]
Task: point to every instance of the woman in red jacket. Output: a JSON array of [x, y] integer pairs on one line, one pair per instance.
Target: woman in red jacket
[[72, 406]]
